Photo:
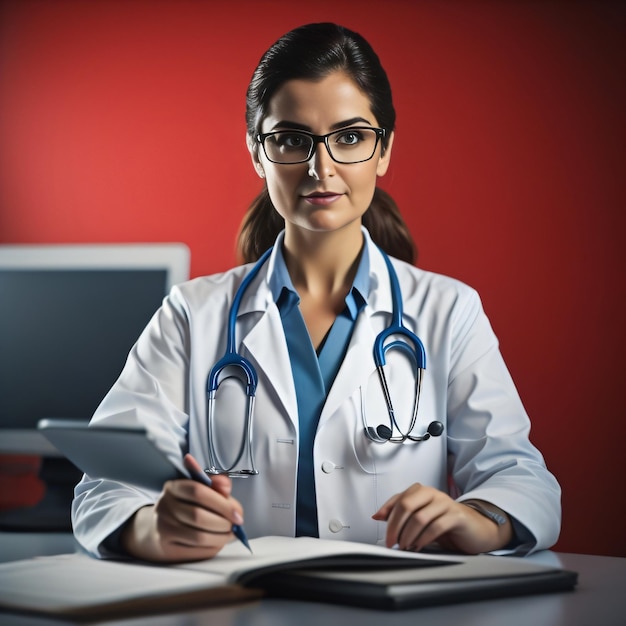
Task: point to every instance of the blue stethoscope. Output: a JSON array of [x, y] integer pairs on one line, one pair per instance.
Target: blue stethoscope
[[232, 361]]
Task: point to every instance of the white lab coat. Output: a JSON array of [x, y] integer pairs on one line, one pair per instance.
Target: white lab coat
[[483, 453]]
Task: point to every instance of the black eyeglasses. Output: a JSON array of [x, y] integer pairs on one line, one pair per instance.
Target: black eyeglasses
[[348, 145]]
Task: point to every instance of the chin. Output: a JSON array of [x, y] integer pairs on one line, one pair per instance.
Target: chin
[[331, 224]]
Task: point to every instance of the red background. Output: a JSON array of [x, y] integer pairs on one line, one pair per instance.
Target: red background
[[123, 121]]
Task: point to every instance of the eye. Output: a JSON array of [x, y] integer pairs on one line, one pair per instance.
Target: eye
[[291, 140], [349, 137]]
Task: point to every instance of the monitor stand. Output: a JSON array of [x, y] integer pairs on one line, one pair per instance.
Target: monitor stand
[[52, 512]]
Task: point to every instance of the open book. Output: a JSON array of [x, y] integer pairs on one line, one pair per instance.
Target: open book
[[76, 585]]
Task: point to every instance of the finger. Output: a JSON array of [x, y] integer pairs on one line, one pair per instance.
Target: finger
[[219, 482], [411, 500], [187, 532], [219, 500], [422, 525], [191, 464], [185, 500], [383, 512], [188, 529], [222, 484], [185, 542], [436, 531], [203, 519], [193, 505]]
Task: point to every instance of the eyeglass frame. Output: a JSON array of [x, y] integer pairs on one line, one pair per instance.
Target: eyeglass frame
[[381, 133]]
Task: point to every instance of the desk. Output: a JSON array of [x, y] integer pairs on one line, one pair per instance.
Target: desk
[[599, 600]]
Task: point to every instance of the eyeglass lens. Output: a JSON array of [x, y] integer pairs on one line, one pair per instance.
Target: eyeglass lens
[[345, 146]]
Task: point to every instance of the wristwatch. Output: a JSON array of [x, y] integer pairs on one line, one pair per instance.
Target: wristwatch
[[492, 515]]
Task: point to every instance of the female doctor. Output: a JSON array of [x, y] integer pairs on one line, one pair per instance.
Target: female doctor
[[324, 454]]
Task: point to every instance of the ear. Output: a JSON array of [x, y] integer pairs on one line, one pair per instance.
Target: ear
[[383, 161], [253, 148]]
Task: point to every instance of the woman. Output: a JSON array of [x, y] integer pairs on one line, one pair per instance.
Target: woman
[[330, 461]]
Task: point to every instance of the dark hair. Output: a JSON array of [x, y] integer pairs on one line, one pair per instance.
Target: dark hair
[[312, 52]]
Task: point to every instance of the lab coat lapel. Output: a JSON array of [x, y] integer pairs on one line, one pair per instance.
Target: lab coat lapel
[[268, 348], [265, 341], [357, 367]]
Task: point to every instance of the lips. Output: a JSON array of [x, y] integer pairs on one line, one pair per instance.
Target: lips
[[322, 198]]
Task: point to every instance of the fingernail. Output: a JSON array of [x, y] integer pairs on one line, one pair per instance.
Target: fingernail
[[237, 518]]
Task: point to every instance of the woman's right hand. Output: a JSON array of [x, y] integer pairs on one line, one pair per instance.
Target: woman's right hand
[[189, 522]]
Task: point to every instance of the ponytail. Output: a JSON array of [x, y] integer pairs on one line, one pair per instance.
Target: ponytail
[[388, 229], [259, 228], [262, 223]]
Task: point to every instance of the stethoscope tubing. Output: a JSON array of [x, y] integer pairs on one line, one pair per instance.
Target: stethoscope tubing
[[231, 356], [397, 327]]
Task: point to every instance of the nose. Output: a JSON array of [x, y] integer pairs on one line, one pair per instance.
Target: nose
[[321, 164]]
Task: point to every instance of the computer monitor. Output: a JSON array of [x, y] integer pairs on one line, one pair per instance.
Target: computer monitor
[[69, 315]]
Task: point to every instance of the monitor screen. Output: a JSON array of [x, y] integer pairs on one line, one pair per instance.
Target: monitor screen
[[69, 315]]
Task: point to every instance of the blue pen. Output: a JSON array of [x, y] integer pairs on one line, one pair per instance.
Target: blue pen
[[197, 474]]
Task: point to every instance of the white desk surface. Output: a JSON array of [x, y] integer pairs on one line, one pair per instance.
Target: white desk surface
[[599, 600]]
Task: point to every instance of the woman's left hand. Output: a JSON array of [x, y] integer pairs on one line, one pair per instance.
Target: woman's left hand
[[422, 515]]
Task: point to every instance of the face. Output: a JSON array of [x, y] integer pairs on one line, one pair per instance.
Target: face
[[320, 195]]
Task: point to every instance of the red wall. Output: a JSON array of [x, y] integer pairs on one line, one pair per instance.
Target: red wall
[[124, 121]]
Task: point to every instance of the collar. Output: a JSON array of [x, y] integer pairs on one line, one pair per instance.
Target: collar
[[259, 296]]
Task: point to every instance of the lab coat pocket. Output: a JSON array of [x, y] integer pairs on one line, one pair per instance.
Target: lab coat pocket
[[391, 397], [398, 463], [378, 420]]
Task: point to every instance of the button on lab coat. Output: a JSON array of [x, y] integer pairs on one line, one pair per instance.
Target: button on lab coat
[[483, 453]]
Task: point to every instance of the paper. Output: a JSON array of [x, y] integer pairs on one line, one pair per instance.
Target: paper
[[58, 583], [234, 560]]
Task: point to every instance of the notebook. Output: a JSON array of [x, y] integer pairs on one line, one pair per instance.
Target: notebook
[[78, 586]]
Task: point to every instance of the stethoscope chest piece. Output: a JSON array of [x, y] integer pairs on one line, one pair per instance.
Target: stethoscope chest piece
[[382, 433]]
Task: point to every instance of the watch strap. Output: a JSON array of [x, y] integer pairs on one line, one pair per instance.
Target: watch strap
[[492, 515]]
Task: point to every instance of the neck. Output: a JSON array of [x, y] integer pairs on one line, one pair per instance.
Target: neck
[[323, 265]]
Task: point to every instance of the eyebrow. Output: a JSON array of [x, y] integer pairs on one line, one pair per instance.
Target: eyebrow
[[343, 124]]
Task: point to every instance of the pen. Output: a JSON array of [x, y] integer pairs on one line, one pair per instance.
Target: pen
[[198, 475]]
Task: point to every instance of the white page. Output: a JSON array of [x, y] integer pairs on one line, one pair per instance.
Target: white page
[[71, 580], [235, 559]]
